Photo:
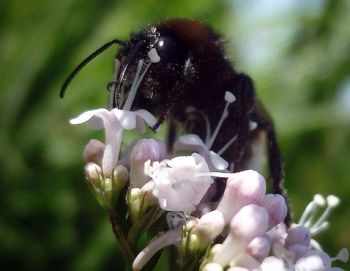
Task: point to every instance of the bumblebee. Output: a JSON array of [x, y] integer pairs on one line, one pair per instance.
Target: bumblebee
[[185, 75]]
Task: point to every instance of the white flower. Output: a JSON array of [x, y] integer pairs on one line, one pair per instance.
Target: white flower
[[273, 263], [210, 225], [194, 143], [114, 122], [259, 247], [180, 183], [276, 207], [242, 188], [250, 222]]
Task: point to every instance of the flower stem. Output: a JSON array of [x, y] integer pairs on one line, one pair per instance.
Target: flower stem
[[123, 242]]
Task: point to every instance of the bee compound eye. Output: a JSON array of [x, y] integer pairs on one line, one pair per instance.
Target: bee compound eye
[[166, 49]]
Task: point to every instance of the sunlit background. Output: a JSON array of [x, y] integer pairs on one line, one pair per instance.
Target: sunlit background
[[297, 52]]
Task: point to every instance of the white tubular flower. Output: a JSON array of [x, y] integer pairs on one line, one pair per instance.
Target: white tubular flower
[[180, 183], [102, 118], [276, 207], [212, 267], [93, 152], [144, 149], [298, 234], [242, 188], [278, 234], [130, 120], [298, 251], [251, 221], [114, 122], [259, 247], [236, 268], [210, 225], [93, 173], [314, 261], [273, 263]]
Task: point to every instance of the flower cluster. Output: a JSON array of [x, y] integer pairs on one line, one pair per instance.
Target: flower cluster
[[145, 187]]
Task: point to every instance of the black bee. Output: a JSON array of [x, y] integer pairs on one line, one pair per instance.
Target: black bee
[[185, 77]]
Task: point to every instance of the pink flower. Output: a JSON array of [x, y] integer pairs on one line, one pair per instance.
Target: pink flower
[[242, 188], [180, 183], [114, 122]]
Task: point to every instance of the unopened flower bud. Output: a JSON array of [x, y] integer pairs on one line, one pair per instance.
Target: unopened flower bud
[[100, 186], [93, 173], [278, 233], [251, 221], [144, 150], [259, 247], [106, 190], [298, 234], [276, 207], [120, 175], [210, 226], [93, 152], [273, 263], [298, 251], [247, 262], [237, 268], [139, 202], [243, 188], [314, 261], [212, 267]]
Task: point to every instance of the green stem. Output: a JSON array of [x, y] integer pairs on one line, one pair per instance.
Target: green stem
[[123, 242]]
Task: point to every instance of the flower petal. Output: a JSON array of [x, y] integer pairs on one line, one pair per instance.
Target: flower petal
[[95, 118], [127, 119], [150, 119], [218, 162]]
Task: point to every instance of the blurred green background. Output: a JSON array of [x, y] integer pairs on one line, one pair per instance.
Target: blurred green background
[[298, 53]]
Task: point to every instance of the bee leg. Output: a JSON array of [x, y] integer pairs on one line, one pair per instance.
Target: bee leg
[[240, 114], [276, 170], [275, 162]]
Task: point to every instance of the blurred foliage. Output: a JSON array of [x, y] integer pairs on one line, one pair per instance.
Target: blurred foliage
[[49, 221]]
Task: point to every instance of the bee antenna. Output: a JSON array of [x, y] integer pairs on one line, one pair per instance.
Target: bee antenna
[[86, 61]]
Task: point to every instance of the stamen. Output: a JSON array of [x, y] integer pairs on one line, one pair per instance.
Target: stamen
[[316, 230], [227, 145], [133, 89], [142, 75], [314, 244], [136, 84], [310, 210], [230, 98], [332, 202], [343, 255], [207, 127], [252, 125]]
